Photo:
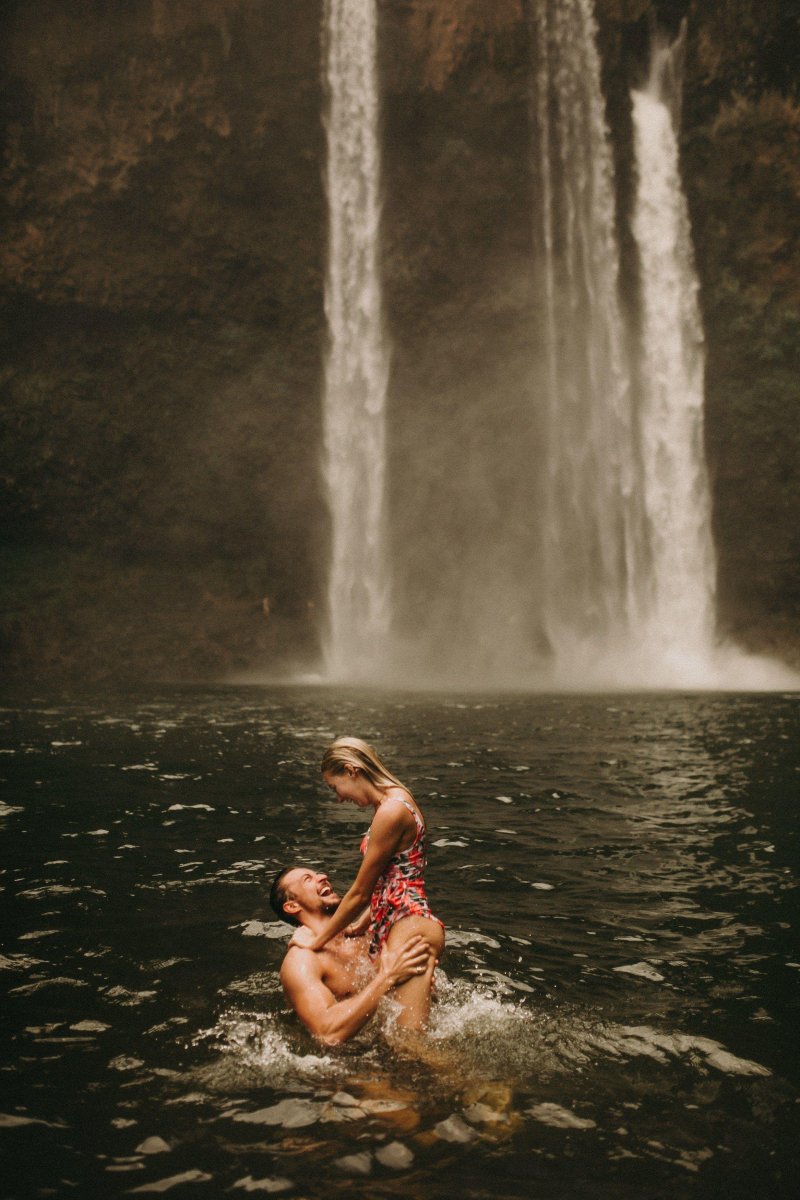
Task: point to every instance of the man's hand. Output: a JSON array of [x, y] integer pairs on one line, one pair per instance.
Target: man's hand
[[414, 957]]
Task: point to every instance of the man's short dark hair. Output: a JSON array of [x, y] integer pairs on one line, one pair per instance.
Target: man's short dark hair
[[279, 894]]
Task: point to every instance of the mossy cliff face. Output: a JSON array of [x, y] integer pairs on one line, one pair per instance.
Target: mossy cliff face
[[163, 326], [745, 197], [161, 277]]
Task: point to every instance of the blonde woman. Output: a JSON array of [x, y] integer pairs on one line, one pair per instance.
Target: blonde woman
[[390, 880]]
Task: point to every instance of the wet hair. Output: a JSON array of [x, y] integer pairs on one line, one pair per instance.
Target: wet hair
[[279, 894], [351, 751]]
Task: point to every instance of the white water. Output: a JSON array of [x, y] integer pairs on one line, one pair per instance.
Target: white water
[[594, 557], [675, 643], [680, 618], [629, 566], [357, 365], [607, 579]]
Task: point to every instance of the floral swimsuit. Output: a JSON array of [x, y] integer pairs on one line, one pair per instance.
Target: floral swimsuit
[[400, 891]]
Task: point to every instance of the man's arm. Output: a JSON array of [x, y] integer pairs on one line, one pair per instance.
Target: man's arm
[[334, 1021]]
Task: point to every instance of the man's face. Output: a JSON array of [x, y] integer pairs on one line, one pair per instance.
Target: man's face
[[311, 890]]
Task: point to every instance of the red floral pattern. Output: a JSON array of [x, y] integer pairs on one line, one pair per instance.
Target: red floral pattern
[[400, 891]]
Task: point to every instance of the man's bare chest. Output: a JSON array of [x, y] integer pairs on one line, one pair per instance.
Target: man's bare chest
[[346, 968]]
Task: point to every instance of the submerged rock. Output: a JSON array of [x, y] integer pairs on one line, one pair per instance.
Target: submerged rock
[[454, 1129], [395, 1155]]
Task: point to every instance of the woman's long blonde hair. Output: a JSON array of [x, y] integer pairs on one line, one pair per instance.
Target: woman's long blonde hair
[[351, 751]]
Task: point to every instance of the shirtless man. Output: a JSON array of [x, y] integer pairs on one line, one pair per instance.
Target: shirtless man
[[336, 990]]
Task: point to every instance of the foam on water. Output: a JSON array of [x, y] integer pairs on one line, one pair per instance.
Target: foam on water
[[509, 1040]]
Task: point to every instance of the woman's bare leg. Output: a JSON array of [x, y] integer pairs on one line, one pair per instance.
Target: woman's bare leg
[[414, 995]]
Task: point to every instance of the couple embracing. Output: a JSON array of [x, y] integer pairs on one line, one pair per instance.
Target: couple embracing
[[381, 936]]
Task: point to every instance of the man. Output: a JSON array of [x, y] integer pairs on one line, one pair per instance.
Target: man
[[336, 990]]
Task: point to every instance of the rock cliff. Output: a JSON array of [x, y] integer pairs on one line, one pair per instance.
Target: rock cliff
[[161, 280]]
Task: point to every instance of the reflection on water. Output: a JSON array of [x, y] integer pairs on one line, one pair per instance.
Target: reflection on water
[[616, 1007]]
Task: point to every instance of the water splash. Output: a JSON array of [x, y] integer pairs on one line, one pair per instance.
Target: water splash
[[357, 366], [256, 1041]]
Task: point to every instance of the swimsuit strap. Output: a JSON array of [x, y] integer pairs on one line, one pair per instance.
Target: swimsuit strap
[[418, 819]]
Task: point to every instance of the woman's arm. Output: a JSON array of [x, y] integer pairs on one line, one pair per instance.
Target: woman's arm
[[360, 925], [386, 832]]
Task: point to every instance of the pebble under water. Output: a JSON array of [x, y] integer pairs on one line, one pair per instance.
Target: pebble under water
[[617, 1006]]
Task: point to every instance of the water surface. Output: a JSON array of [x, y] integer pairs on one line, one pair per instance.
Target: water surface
[[618, 1003]]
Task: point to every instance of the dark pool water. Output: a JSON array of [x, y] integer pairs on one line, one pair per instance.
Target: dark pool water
[[618, 1007]]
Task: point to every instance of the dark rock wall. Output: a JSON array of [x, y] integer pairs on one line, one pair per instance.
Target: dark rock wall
[[742, 169], [162, 333], [162, 329]]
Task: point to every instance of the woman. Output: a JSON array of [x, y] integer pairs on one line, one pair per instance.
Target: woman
[[390, 879]]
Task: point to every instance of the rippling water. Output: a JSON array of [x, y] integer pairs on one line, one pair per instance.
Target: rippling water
[[617, 1008]]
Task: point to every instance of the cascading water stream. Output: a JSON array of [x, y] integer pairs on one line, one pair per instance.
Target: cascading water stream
[[357, 365], [679, 629], [594, 548], [605, 578]]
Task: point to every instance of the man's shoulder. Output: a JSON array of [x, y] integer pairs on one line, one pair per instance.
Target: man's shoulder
[[299, 960]]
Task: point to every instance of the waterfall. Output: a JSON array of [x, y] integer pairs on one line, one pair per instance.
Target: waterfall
[[562, 542], [628, 559], [680, 621], [594, 550], [357, 365]]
